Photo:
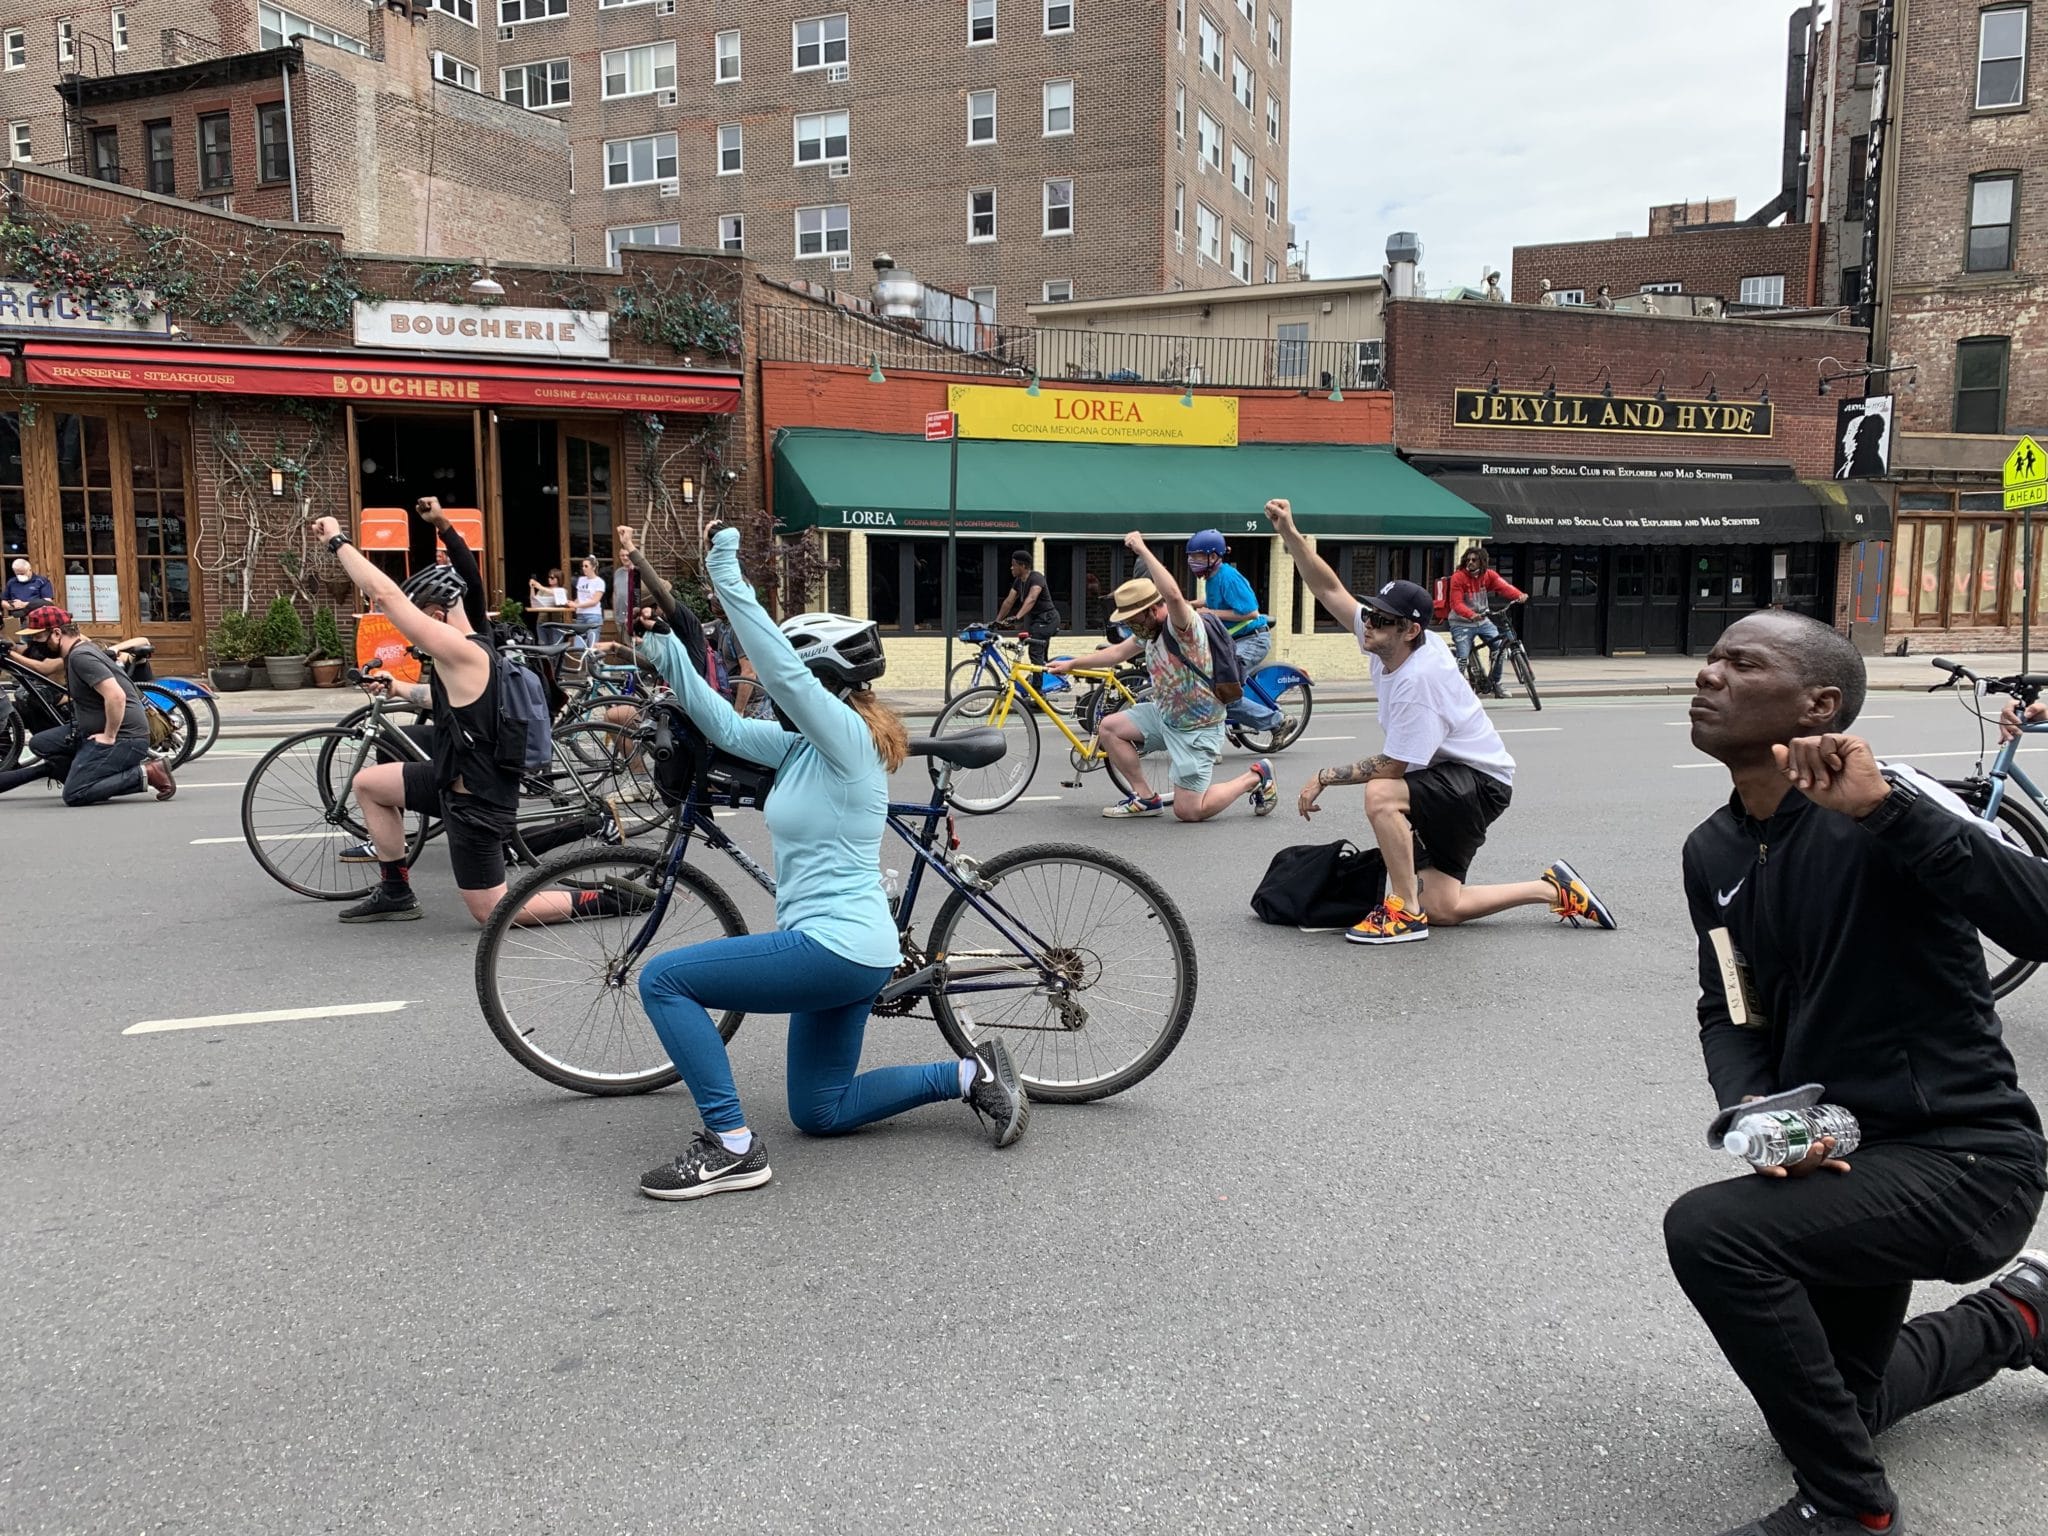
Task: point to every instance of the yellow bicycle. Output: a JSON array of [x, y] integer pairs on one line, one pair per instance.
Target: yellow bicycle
[[1011, 706]]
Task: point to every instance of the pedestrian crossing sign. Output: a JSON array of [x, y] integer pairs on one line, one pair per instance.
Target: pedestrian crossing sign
[[2026, 476]]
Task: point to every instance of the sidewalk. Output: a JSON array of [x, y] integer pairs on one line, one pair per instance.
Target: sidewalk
[[271, 712]]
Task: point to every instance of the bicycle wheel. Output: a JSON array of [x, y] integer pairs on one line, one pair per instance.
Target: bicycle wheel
[[593, 707], [615, 768], [1098, 922], [1297, 701], [2007, 970], [13, 741], [984, 791], [965, 675], [198, 709], [206, 710], [296, 825], [398, 716], [555, 994], [1525, 674]]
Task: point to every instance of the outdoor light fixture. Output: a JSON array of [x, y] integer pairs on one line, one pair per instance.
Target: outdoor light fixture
[[875, 374], [1031, 389], [1187, 397], [276, 482], [1605, 379], [1336, 394], [1863, 371], [486, 286], [1765, 380], [689, 492], [1550, 387], [1713, 389], [1493, 376], [1659, 379]]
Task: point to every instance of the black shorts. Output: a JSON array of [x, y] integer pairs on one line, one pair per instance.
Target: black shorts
[[476, 831], [1450, 806]]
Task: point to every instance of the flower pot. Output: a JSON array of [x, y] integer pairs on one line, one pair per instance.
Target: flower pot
[[326, 673], [286, 671], [232, 678]]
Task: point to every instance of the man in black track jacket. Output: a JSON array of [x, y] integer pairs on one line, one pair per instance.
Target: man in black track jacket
[[1843, 903]]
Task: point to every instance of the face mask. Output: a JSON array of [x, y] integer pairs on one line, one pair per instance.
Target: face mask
[[1144, 628], [38, 650]]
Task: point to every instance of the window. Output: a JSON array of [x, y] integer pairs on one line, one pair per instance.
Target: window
[[273, 144], [216, 152], [1241, 85], [1240, 257], [1954, 562], [456, 71], [1662, 288], [822, 136], [1859, 173], [461, 10], [1249, 10], [1273, 35], [1059, 207], [536, 86], [1180, 209], [512, 12], [1272, 270], [1180, 22], [1208, 139], [1866, 35], [275, 27], [1059, 108], [818, 42], [117, 29], [1569, 297], [1241, 171], [1209, 42], [1991, 242], [640, 71], [1059, 290], [981, 214], [1272, 201], [104, 145], [983, 299], [1290, 350], [1852, 285], [1273, 118], [67, 42], [639, 234], [1762, 290], [907, 581], [823, 231], [2001, 57], [1208, 234], [732, 158], [636, 162], [981, 22], [17, 48], [163, 158], [1180, 116], [1980, 384], [732, 232], [19, 148], [726, 49], [1059, 16], [981, 117]]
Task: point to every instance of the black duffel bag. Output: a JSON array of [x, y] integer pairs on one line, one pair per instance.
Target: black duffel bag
[[1321, 887]]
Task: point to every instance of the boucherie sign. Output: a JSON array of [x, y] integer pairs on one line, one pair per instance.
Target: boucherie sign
[[1540, 411], [497, 330]]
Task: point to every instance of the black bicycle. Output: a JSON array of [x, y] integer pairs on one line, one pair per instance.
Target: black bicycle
[[1077, 959], [1479, 669]]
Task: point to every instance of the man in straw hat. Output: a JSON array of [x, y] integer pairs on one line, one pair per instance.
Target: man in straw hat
[[1183, 716]]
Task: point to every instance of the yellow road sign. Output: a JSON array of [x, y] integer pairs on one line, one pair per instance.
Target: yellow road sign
[[2026, 476]]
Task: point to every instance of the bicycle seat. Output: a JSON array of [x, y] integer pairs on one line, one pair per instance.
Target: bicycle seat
[[546, 650], [969, 749]]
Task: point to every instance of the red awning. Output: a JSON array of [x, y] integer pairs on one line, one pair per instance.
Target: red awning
[[375, 380]]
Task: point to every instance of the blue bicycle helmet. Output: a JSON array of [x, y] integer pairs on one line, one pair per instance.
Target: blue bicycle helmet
[[1208, 542], [436, 586]]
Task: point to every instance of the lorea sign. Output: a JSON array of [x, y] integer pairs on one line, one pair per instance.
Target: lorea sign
[[491, 331], [1094, 416]]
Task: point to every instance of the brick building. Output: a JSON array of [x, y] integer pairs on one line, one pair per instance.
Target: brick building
[[1014, 149], [375, 147], [1741, 263], [1650, 479]]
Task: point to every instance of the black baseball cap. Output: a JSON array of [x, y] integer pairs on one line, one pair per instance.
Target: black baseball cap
[[1403, 600]]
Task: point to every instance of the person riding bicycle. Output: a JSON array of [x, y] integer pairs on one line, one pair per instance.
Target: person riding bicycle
[[1227, 594], [1473, 585], [1036, 615], [1183, 716], [835, 942], [103, 751], [1444, 777]]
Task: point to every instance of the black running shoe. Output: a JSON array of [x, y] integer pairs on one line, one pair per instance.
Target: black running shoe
[[385, 906], [2026, 1279], [997, 1095], [706, 1168], [1796, 1517]]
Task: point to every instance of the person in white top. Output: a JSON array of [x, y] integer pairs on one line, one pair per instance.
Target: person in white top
[[1444, 776], [589, 613]]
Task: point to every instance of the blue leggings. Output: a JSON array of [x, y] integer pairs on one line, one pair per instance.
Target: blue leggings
[[827, 998]]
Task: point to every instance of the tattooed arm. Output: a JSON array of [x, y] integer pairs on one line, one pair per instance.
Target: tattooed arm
[[1378, 766]]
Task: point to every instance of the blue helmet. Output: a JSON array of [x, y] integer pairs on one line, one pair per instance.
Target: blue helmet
[[1208, 542]]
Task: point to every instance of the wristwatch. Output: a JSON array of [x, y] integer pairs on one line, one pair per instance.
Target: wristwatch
[[334, 544], [1905, 794]]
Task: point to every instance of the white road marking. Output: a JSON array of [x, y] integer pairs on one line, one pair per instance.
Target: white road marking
[[1329, 738], [265, 1016], [274, 837], [1037, 799], [222, 784], [1529, 730], [1902, 757]]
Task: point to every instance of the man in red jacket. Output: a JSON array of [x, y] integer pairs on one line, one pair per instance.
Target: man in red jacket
[[1473, 584]]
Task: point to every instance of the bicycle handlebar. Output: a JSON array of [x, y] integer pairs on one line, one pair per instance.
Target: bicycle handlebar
[[2027, 687], [664, 737]]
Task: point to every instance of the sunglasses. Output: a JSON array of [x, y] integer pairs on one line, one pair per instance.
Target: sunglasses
[[1374, 619]]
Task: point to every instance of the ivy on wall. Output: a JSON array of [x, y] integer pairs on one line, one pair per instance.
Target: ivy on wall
[[253, 523], [679, 311]]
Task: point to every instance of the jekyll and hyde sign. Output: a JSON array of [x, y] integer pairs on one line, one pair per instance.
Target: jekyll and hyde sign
[[1537, 411]]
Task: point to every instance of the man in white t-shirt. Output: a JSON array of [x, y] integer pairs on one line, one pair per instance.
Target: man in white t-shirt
[[1444, 776]]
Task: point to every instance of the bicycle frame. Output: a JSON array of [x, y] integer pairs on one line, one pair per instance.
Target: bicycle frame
[[1020, 681], [2006, 770]]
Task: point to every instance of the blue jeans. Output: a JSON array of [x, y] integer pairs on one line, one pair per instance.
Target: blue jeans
[[89, 771], [1249, 711], [827, 999], [1463, 633], [583, 633]]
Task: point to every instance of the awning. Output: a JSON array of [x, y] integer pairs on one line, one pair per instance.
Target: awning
[[1528, 510], [366, 379], [869, 480]]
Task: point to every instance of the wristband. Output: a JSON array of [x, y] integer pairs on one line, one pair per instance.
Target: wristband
[[334, 544]]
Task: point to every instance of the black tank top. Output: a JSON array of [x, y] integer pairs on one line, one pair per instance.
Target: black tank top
[[465, 741]]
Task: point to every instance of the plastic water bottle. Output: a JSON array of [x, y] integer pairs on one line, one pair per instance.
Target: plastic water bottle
[[1787, 1135], [892, 889]]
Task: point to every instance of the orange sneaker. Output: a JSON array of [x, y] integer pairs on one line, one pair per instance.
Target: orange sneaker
[[1390, 923], [1575, 903]]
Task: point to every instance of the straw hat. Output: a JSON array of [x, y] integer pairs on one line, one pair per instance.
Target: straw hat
[[1138, 595]]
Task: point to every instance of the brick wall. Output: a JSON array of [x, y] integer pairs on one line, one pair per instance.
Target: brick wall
[[1710, 261]]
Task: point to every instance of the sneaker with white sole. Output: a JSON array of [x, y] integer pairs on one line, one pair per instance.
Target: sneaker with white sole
[[997, 1094], [1576, 904], [1133, 806], [707, 1168], [364, 852], [1266, 793], [1796, 1517]]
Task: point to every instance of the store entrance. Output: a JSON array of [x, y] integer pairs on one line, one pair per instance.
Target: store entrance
[[556, 496], [399, 459]]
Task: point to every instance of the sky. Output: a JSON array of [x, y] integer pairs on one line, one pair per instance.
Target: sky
[[1486, 124]]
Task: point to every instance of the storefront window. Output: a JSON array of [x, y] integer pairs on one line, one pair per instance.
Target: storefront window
[[163, 569], [1366, 568], [907, 582], [85, 499], [1951, 569], [13, 504], [1082, 575], [838, 580]]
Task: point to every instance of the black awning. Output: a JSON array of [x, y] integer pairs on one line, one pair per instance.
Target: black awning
[[1541, 510]]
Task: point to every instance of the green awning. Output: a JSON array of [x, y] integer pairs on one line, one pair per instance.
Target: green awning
[[883, 483]]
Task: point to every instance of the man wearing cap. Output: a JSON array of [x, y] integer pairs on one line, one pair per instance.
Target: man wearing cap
[[25, 590], [1183, 717], [1444, 777], [104, 751]]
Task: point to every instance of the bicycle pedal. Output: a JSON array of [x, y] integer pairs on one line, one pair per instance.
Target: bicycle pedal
[[1070, 783]]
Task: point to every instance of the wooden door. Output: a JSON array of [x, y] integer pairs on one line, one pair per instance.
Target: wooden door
[[162, 526]]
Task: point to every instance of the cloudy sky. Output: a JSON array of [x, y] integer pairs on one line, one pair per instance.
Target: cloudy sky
[[1487, 124]]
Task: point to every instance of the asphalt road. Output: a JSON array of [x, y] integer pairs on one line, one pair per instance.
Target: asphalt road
[[1377, 1251]]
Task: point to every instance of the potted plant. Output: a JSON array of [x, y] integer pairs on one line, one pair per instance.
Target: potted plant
[[512, 616], [284, 644], [327, 653], [228, 649]]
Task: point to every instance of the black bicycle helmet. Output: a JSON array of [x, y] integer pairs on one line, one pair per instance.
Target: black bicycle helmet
[[844, 653], [437, 586]]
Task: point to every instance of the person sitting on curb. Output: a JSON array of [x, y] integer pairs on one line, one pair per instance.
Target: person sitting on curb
[[1183, 716]]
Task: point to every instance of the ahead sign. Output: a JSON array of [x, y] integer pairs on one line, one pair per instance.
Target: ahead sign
[[938, 426], [2026, 476]]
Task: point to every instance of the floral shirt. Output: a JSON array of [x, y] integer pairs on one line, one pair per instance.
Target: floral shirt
[[1181, 687]]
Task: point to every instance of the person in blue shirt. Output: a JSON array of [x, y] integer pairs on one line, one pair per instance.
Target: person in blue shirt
[[835, 941], [1230, 597], [25, 591]]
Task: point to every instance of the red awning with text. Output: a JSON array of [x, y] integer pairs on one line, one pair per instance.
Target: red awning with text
[[375, 380]]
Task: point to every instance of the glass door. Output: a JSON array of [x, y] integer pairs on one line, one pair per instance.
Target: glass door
[[163, 544], [91, 583]]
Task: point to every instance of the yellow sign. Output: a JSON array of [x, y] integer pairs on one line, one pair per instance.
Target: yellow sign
[[2026, 476], [1095, 416]]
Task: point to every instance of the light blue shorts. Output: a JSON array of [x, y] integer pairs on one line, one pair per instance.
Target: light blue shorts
[[1191, 754]]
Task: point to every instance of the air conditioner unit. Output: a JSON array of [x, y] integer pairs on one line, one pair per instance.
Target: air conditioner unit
[[1180, 245], [842, 263], [505, 34], [671, 189], [838, 170], [664, 98], [836, 73]]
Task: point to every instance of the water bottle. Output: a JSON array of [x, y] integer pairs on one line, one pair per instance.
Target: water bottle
[[1786, 1135], [892, 889]]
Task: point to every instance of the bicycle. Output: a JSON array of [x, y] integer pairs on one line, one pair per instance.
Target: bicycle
[[1009, 708], [35, 703], [1480, 673], [1077, 958], [1987, 793], [991, 663], [134, 656]]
